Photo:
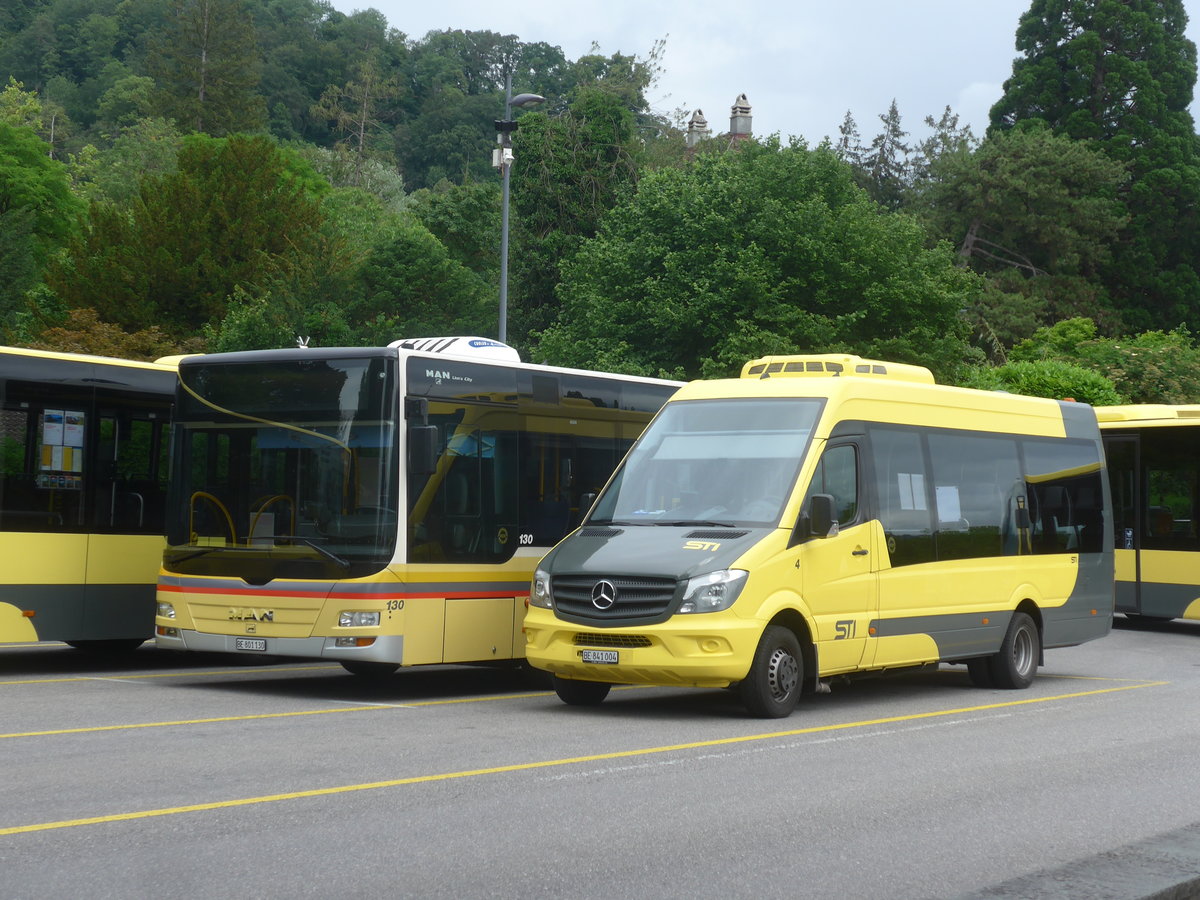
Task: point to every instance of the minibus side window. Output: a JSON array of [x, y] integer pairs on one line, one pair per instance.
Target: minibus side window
[[837, 475], [902, 487]]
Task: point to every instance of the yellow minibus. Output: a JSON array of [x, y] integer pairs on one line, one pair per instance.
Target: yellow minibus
[[828, 515]]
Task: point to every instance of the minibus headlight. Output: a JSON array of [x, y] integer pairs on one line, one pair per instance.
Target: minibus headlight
[[358, 619], [539, 590], [166, 610], [713, 592]]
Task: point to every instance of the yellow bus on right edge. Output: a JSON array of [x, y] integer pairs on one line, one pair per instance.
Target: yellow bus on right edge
[[827, 515], [1154, 469]]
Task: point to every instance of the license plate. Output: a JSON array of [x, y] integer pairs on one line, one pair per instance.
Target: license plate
[[608, 657], [249, 643]]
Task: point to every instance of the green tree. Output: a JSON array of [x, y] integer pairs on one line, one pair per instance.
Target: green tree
[[236, 211], [466, 219], [769, 249], [355, 110], [1151, 367], [569, 171], [1047, 378], [412, 287], [1038, 214], [1120, 75], [885, 162], [206, 64], [37, 214]]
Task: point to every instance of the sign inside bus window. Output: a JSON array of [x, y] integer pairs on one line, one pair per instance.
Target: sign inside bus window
[[61, 462]]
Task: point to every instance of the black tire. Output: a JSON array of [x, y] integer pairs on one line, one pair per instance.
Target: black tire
[[581, 693], [1015, 666], [115, 647], [771, 688], [980, 670], [371, 670]]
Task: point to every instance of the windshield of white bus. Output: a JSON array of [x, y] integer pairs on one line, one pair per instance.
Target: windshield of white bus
[[728, 462], [285, 467]]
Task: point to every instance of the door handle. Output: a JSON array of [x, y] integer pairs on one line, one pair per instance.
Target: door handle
[[859, 552]]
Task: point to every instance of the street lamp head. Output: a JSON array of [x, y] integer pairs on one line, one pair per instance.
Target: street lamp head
[[522, 101]]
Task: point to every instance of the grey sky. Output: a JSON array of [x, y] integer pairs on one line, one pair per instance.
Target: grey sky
[[801, 63]]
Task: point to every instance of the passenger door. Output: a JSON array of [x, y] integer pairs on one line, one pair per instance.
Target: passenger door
[[838, 580]]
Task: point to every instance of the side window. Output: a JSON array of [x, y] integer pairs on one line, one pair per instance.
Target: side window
[[1064, 498], [902, 486], [1172, 487], [971, 478], [837, 475]]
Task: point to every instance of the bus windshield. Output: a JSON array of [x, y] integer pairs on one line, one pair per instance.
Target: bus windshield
[[729, 462], [285, 468]]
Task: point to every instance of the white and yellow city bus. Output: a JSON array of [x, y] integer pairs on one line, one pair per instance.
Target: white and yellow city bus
[[83, 478], [828, 515], [1154, 470], [379, 507]]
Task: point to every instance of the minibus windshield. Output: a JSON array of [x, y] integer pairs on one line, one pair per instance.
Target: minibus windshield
[[729, 462]]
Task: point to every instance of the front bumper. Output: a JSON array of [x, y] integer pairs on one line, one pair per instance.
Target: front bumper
[[705, 650], [385, 649]]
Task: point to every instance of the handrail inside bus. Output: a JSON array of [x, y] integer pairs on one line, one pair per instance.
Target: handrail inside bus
[[262, 507], [204, 495]]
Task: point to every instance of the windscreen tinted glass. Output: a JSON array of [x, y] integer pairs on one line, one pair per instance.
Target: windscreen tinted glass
[[722, 462], [285, 468]]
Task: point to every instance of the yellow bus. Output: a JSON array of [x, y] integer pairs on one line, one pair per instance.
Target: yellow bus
[[379, 507], [83, 477], [827, 515], [1154, 470]]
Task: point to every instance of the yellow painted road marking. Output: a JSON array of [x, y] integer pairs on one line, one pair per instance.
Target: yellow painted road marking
[[372, 707], [549, 763], [178, 674]]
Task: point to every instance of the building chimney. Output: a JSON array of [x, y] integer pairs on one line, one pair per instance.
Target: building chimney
[[740, 119], [697, 129]]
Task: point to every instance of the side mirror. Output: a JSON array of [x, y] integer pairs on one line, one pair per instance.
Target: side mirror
[[822, 520], [422, 449]]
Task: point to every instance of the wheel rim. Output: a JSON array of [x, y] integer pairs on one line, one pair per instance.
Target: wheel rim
[[1023, 651], [783, 674]]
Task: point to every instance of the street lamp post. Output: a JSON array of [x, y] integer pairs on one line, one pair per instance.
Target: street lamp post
[[502, 158]]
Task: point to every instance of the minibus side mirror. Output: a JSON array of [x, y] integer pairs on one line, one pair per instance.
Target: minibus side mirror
[[422, 449], [822, 522]]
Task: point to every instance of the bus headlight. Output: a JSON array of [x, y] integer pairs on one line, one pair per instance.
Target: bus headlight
[[713, 592], [166, 610], [539, 590], [358, 619]]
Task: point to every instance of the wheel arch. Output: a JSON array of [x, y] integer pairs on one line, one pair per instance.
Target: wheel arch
[[794, 621], [1031, 609]]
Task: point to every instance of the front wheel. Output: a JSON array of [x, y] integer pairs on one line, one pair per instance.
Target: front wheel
[[1016, 663], [771, 688], [580, 693]]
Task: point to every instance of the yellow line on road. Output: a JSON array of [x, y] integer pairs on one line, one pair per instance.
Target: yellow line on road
[[549, 763], [176, 674], [283, 715]]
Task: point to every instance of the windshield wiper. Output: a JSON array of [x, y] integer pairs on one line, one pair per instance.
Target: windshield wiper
[[204, 551], [685, 523], [328, 554]]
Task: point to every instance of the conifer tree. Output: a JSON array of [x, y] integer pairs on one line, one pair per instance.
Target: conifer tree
[[886, 161], [1120, 75]]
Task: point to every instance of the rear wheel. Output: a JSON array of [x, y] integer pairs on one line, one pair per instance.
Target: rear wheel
[[1016, 664], [364, 669], [771, 688], [581, 693], [980, 670]]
